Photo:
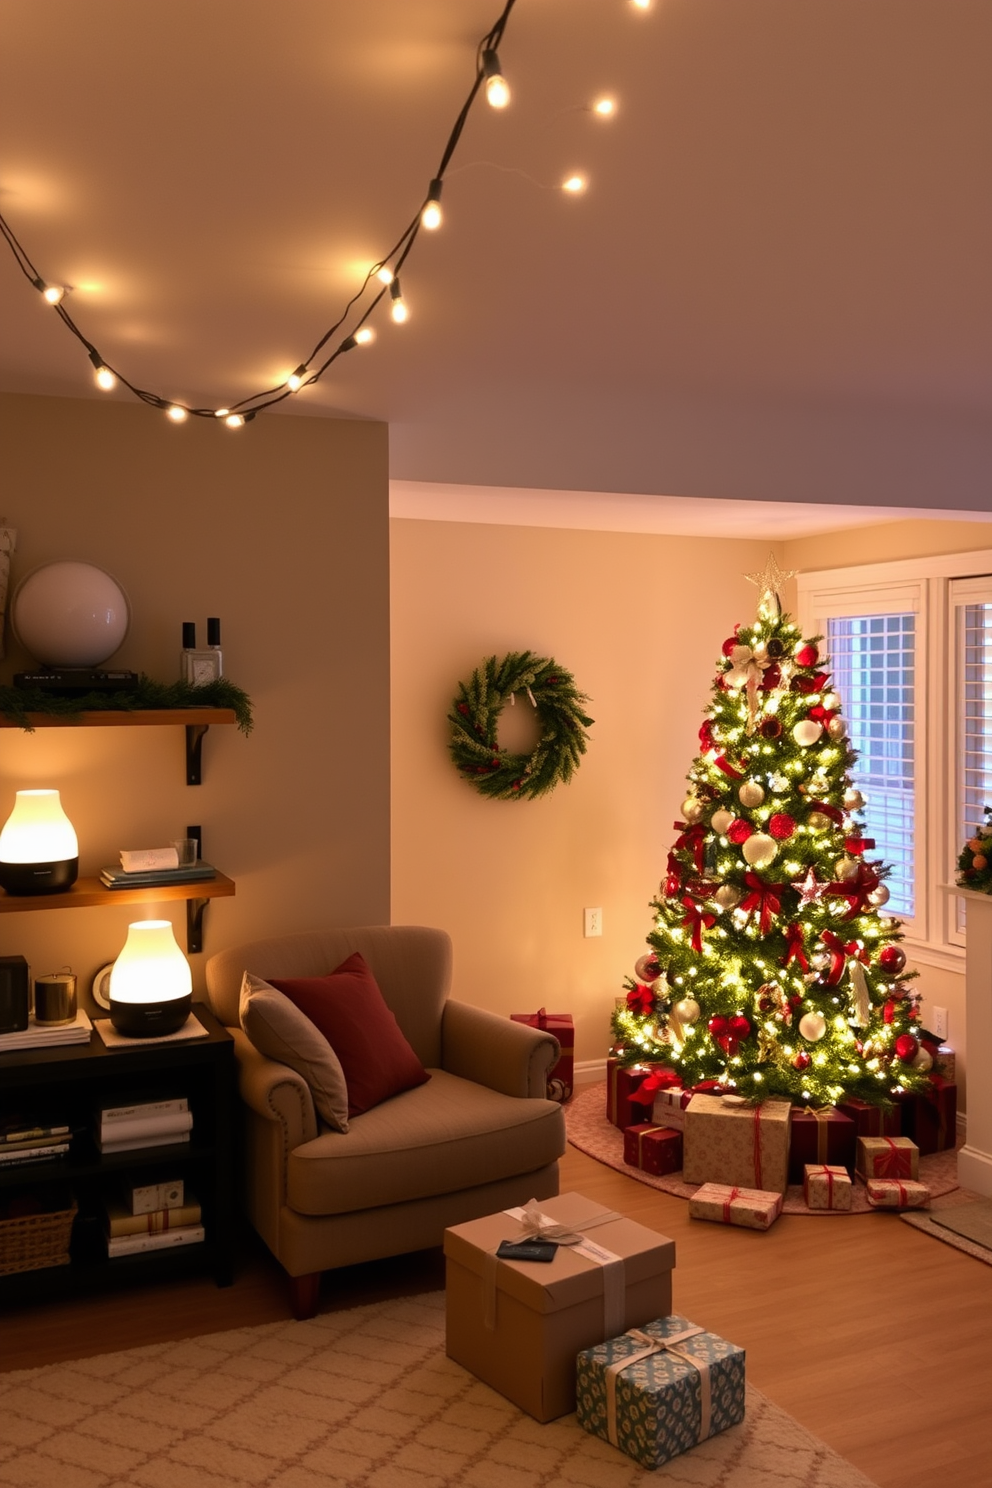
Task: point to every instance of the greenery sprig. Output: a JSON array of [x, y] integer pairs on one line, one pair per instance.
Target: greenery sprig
[[19, 703], [975, 861]]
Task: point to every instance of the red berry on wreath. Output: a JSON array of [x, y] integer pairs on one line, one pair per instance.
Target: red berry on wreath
[[781, 825], [906, 1047], [739, 831], [892, 958], [807, 655]]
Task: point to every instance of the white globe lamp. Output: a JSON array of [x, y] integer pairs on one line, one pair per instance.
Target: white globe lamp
[[70, 615]]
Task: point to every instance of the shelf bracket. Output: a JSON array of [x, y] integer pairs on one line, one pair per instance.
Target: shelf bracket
[[195, 909], [194, 751]]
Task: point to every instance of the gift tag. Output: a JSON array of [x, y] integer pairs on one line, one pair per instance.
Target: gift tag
[[527, 1250]]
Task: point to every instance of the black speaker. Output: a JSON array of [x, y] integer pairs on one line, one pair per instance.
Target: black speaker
[[13, 994]]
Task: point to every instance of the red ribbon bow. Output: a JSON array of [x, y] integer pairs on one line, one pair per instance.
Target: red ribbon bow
[[856, 890], [895, 1163], [840, 950], [764, 897], [696, 920], [692, 840], [640, 999], [658, 1079], [795, 949]]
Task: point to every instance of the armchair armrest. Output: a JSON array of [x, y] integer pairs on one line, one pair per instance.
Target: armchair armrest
[[509, 1057], [275, 1092]]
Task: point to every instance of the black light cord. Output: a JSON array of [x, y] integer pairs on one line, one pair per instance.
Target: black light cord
[[254, 403]]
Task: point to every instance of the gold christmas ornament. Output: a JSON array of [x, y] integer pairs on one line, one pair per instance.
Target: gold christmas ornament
[[760, 850], [837, 729], [806, 732], [720, 820], [853, 800], [727, 896], [688, 1010], [812, 1027], [879, 896], [818, 820], [846, 869], [750, 794], [831, 700], [692, 809]]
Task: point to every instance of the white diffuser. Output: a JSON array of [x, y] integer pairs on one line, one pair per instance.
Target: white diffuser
[[39, 853], [151, 988]]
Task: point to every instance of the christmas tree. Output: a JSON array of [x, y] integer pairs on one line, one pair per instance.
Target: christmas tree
[[772, 968]]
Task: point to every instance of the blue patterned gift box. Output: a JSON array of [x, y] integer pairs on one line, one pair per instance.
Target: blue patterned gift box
[[679, 1386]]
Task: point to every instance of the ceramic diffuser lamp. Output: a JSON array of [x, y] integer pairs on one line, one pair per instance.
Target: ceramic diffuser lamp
[[151, 988], [39, 853]]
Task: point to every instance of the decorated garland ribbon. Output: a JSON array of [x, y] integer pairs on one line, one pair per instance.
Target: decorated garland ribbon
[[474, 715]]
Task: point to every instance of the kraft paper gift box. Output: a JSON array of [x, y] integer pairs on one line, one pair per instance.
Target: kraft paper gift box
[[518, 1325], [888, 1157], [660, 1390], [871, 1121], [895, 1193], [930, 1120], [826, 1187], [668, 1109], [727, 1140], [561, 1076], [945, 1063], [622, 1083], [652, 1149], [823, 1136], [748, 1208]]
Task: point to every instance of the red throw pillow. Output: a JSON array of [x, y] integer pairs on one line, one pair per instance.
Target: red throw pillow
[[351, 1013]]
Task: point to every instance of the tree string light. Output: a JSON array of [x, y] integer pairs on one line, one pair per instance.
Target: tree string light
[[383, 276]]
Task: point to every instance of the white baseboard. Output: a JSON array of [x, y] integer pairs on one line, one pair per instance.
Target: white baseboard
[[589, 1071]]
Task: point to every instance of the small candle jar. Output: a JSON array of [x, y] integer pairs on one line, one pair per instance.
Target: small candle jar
[[55, 999]]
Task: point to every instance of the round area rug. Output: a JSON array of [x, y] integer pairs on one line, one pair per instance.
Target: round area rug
[[590, 1131]]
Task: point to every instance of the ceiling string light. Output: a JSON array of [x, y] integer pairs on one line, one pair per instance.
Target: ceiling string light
[[385, 273]]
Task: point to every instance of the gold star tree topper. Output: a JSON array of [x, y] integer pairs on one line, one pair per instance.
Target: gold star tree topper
[[769, 582]]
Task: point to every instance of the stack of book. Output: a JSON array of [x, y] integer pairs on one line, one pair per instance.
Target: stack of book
[[40, 1036], [152, 1216], [156, 1123], [30, 1139], [119, 878]]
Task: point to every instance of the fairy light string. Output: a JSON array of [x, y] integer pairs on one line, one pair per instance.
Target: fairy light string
[[383, 276]]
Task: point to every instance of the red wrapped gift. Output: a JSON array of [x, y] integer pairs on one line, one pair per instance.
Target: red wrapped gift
[[622, 1085], [871, 1121], [931, 1119], [653, 1149], [888, 1157], [561, 1076], [820, 1136]]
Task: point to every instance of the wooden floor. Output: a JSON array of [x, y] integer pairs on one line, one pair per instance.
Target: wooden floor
[[875, 1336]]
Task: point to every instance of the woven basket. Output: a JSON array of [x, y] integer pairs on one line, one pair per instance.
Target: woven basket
[[33, 1241]]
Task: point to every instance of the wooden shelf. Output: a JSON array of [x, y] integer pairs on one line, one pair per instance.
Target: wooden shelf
[[87, 892], [121, 718]]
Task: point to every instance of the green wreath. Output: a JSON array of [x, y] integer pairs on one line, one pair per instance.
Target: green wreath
[[475, 713]]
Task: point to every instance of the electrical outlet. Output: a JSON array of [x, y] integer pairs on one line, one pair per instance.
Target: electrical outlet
[[592, 922], [938, 1017]]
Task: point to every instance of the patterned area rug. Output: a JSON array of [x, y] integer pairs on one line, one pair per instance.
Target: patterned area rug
[[364, 1398], [589, 1131]]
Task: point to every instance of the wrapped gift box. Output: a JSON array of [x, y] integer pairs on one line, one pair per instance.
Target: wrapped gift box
[[705, 1087], [895, 1193], [653, 1149], [660, 1390], [825, 1136], [827, 1187], [749, 1208], [945, 1063], [561, 1076], [669, 1108], [888, 1157], [518, 1325], [622, 1084], [730, 1141], [871, 1121], [930, 1120]]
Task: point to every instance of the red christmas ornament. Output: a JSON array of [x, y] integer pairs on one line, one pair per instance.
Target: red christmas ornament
[[770, 727], [771, 677], [781, 825], [739, 1026], [718, 1025], [739, 831], [892, 958], [889, 1011], [802, 1060], [729, 644], [807, 655], [906, 1047], [706, 734]]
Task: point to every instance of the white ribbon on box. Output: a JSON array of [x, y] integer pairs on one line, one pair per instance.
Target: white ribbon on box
[[652, 1345], [540, 1226]]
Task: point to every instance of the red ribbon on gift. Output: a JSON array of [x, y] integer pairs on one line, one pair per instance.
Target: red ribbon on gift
[[856, 890], [794, 947], [764, 897], [696, 920], [692, 840], [757, 1146], [896, 1163], [733, 1194], [840, 950]]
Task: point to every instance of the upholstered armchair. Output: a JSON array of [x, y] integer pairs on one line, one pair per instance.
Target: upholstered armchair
[[479, 1136]]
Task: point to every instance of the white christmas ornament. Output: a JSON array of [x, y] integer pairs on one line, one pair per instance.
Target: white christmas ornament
[[879, 896], [688, 1009], [853, 800], [922, 1060], [760, 850], [692, 809], [720, 820], [812, 1027], [806, 732], [831, 700], [727, 896], [750, 794], [837, 729], [846, 869]]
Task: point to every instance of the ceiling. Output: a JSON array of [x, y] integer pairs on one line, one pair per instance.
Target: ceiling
[[775, 289]]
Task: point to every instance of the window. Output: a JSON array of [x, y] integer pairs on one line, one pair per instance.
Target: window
[[910, 650]]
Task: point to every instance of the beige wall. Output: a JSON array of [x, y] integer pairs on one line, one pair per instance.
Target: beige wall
[[639, 622], [282, 530]]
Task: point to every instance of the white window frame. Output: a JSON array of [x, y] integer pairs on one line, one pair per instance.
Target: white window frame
[[927, 587]]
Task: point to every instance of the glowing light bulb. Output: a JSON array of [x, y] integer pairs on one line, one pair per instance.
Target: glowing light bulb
[[222, 413], [105, 379], [295, 379], [177, 413], [399, 310], [641, 4], [431, 215], [234, 420], [574, 185], [384, 274], [364, 336], [53, 293], [497, 91], [605, 107]]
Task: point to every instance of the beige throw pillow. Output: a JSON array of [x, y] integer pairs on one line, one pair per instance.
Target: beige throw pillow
[[280, 1031]]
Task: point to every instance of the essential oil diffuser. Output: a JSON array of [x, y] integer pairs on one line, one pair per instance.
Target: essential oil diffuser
[[39, 853], [151, 988]]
